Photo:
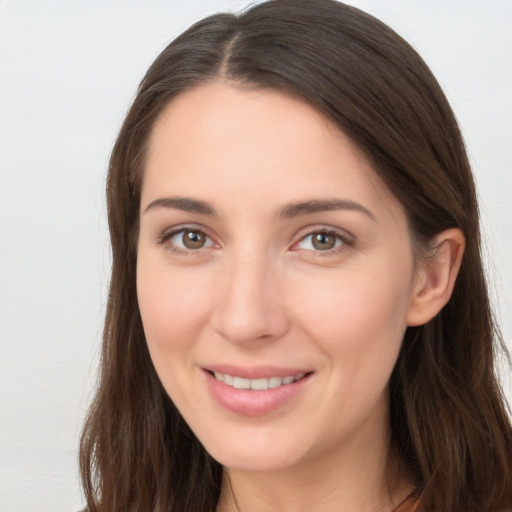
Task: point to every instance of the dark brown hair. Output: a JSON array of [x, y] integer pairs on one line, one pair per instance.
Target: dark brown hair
[[450, 426]]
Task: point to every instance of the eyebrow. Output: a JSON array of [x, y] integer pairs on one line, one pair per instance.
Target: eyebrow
[[288, 211], [186, 204], [322, 205]]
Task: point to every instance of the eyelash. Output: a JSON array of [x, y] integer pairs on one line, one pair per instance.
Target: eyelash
[[164, 238], [345, 239]]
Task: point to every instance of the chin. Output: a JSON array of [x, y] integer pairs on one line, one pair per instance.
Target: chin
[[242, 455], [254, 463]]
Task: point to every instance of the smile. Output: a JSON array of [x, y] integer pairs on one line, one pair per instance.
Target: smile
[[257, 384], [256, 391]]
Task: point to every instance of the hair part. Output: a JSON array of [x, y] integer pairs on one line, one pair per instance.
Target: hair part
[[450, 426]]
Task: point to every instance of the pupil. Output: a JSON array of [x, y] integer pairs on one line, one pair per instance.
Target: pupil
[[193, 240], [323, 241]]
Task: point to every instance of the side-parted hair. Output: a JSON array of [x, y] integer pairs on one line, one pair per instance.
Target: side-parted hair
[[449, 419]]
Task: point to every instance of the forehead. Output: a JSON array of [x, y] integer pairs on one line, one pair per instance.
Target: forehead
[[227, 144]]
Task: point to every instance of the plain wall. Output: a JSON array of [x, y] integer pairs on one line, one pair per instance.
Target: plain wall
[[68, 71]]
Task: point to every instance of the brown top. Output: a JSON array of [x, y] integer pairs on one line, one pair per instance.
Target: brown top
[[410, 504]]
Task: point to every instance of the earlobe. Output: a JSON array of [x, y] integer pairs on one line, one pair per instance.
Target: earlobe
[[436, 277]]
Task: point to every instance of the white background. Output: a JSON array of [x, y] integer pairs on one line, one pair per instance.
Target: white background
[[68, 71]]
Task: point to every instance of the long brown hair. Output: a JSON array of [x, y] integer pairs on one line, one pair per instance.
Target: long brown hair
[[450, 425]]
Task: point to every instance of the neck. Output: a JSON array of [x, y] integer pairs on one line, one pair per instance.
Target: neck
[[362, 477]]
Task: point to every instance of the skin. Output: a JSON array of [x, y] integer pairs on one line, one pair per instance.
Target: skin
[[260, 293]]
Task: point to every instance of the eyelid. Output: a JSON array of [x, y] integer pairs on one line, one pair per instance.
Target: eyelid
[[165, 237], [346, 238]]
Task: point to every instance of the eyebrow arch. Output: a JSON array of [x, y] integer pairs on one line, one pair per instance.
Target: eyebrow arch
[[186, 204], [322, 205]]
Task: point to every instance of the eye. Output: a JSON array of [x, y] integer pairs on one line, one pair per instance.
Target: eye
[[185, 240], [323, 240]]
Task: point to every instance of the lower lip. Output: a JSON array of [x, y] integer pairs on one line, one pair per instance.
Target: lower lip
[[248, 402]]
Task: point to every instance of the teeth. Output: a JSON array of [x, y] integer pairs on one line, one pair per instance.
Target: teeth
[[257, 384], [240, 383], [274, 382]]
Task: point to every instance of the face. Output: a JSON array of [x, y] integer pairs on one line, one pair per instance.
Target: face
[[275, 273]]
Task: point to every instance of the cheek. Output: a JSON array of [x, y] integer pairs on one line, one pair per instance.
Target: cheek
[[172, 307], [357, 321], [172, 311], [357, 315], [165, 289]]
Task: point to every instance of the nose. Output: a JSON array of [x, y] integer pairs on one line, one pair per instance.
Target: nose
[[250, 305]]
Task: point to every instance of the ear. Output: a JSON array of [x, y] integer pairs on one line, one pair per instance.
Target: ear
[[436, 277]]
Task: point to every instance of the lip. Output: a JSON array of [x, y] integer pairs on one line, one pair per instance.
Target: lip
[[249, 402]]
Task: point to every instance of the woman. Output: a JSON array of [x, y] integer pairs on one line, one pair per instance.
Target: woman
[[298, 316]]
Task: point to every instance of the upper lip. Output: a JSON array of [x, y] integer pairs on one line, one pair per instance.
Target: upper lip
[[256, 372]]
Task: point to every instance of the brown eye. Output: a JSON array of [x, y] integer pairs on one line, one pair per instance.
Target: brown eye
[[323, 241], [193, 239], [187, 240]]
